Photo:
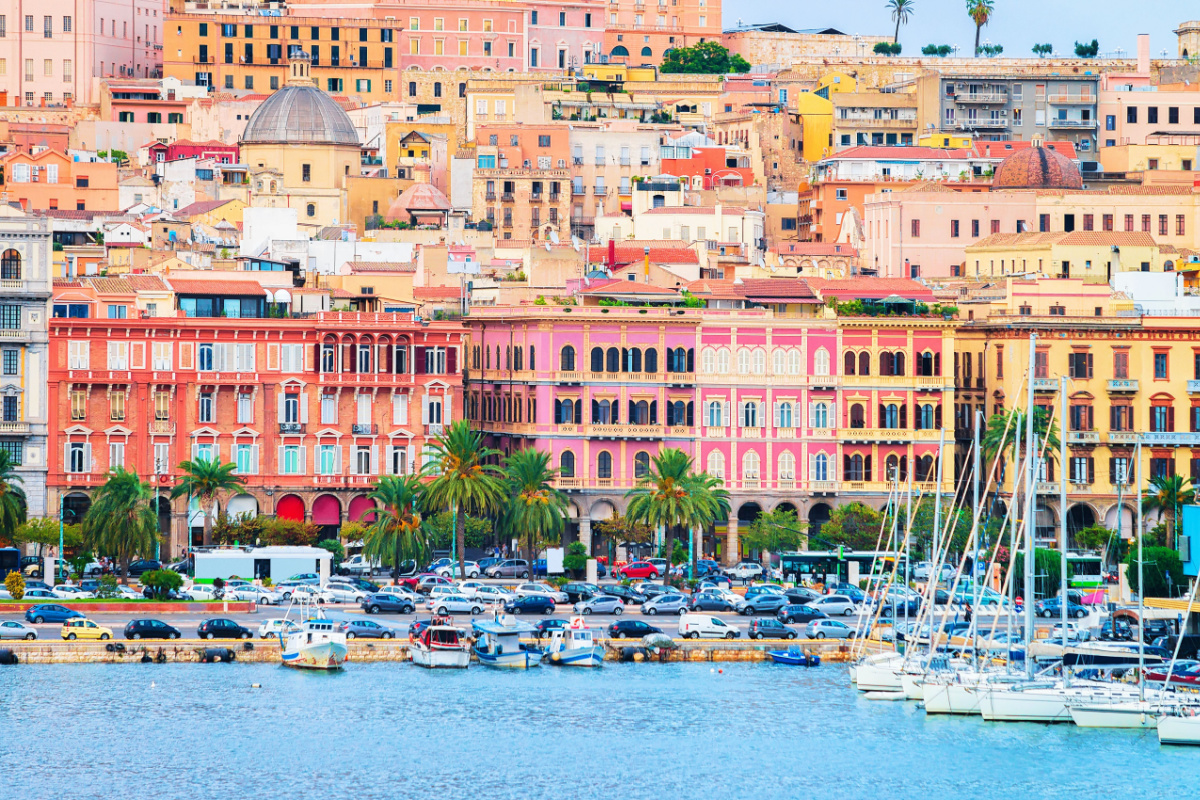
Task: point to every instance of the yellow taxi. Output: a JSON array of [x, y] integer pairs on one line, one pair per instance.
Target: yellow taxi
[[84, 629]]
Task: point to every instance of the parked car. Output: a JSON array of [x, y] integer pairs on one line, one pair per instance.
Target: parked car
[[849, 590], [1075, 632], [836, 605], [150, 629], [198, 592], [34, 568], [1188, 648], [222, 629], [50, 612], [746, 570], [311, 593], [1052, 607], [1120, 631], [362, 584], [698, 626], [1185, 672], [769, 628], [386, 601], [666, 604], [716, 582], [531, 604], [631, 629], [454, 604], [829, 629], [12, 629], [638, 569], [142, 566], [799, 613], [436, 592], [649, 590], [509, 568], [578, 590], [661, 563], [365, 629], [762, 604], [256, 594], [42, 594], [270, 628], [1154, 628], [548, 626], [493, 594], [526, 589], [761, 589], [490, 561], [426, 582], [710, 601], [626, 593], [600, 604], [84, 628], [800, 595], [451, 570], [344, 592], [64, 592]]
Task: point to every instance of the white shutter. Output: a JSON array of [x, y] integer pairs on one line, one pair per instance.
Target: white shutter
[[279, 412], [254, 459], [812, 468], [87, 457], [762, 415], [727, 419], [374, 459], [832, 470], [279, 461], [304, 406], [303, 451], [195, 451], [412, 466], [447, 404], [337, 459], [777, 421], [403, 409], [67, 457], [425, 410]]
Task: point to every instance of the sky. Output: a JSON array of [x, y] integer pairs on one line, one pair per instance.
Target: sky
[[1017, 24]]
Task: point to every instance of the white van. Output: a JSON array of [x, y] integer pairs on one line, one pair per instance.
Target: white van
[[695, 626]]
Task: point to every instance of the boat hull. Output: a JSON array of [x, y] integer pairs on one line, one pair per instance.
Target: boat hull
[[524, 659], [578, 657], [879, 678], [321, 655], [1115, 715], [1179, 730], [1003, 705], [913, 685], [440, 658]]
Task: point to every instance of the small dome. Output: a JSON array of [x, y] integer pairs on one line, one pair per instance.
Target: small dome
[[300, 113], [1037, 167]]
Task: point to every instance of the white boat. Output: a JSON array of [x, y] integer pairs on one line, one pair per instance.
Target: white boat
[[1134, 714], [1048, 702], [959, 693], [317, 644], [498, 644], [1179, 728], [574, 646], [441, 646], [875, 659]]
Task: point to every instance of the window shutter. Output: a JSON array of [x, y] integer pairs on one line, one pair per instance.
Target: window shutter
[[904, 415], [302, 453], [451, 360], [812, 467], [1112, 470], [67, 457], [670, 413], [87, 457], [279, 413], [1091, 469], [425, 410], [412, 466], [374, 459], [304, 406], [195, 451], [1171, 418], [579, 413], [337, 459], [448, 404], [418, 360], [1091, 418], [762, 414], [882, 416], [726, 419], [937, 417], [1089, 364], [254, 459], [777, 423]]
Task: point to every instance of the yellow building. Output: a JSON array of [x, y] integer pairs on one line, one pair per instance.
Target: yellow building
[[1149, 157], [301, 148], [1093, 256], [944, 140]]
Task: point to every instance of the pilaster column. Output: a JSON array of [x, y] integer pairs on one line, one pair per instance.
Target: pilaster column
[[585, 533], [731, 542]]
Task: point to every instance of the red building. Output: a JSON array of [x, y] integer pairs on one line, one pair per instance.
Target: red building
[[711, 166], [223, 153], [311, 410]]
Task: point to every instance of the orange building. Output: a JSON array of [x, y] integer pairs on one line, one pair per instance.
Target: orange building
[[51, 180], [639, 32], [522, 179]]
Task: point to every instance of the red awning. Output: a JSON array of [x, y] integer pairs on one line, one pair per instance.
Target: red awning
[[627, 205], [291, 508], [362, 509], [327, 510]]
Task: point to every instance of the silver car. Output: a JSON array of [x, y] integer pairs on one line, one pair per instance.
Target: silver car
[[601, 604], [835, 605], [666, 604], [454, 604], [829, 629], [11, 629], [256, 594], [344, 592]]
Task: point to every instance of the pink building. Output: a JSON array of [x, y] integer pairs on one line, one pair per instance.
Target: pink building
[[564, 34], [218, 151], [53, 52]]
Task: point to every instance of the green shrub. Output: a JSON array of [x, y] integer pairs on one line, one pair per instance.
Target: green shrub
[[267, 582], [575, 560], [161, 582], [15, 584], [107, 587]]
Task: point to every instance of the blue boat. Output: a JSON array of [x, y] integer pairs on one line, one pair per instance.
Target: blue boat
[[498, 644], [575, 646], [795, 657]]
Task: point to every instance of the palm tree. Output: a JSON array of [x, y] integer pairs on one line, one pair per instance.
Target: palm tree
[[12, 499], [461, 481], [901, 11], [980, 12], [121, 521], [1168, 495], [396, 534], [535, 507], [710, 502], [1007, 430], [206, 480]]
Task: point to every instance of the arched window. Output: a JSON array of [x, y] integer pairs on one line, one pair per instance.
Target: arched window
[[850, 361], [676, 413], [760, 361], [778, 362], [639, 412], [532, 358], [750, 464], [566, 464], [925, 418], [641, 464], [613, 360], [858, 416], [647, 52], [785, 416], [567, 360], [793, 362], [925, 364], [820, 467], [925, 468], [723, 361], [633, 359], [597, 359], [743, 361], [898, 364], [567, 411], [890, 416], [820, 415], [749, 414], [854, 468], [10, 265], [716, 464], [821, 362], [651, 363], [312, 210], [604, 465], [620, 50], [896, 469], [787, 467], [714, 414], [864, 363], [519, 358], [708, 360]]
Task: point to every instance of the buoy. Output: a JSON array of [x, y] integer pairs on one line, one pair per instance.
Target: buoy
[[256, 686], [720, 672], [151, 684]]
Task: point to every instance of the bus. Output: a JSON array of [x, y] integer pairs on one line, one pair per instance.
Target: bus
[[837, 566], [10, 561], [1085, 570]]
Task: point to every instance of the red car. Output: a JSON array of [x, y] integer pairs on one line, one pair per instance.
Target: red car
[[639, 569], [1186, 672], [421, 583]]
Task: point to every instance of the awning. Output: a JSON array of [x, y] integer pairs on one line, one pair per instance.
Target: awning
[[327, 510], [242, 506], [626, 206]]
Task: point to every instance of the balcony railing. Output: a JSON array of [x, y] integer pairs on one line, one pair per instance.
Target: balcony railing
[[626, 431], [162, 426], [489, 196], [877, 434], [506, 197], [1122, 437], [972, 124], [1072, 99], [1045, 384], [1193, 387], [982, 97], [14, 427], [365, 429], [1071, 123], [1123, 385], [1083, 437], [292, 427], [1172, 438]]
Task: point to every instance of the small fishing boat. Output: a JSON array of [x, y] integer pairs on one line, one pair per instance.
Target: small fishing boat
[[498, 644], [795, 657], [575, 646], [441, 646], [317, 644]]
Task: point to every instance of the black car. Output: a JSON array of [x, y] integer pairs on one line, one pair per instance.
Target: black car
[[800, 613], [631, 629], [1123, 632], [150, 629], [362, 584], [382, 601], [1188, 649], [900, 608], [651, 590], [137, 568], [763, 604], [709, 601], [222, 629], [577, 590], [1155, 628], [625, 593], [418, 627], [799, 595], [530, 604], [769, 628], [549, 626]]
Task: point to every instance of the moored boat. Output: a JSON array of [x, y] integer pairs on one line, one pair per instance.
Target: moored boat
[[317, 645], [795, 657], [498, 644], [1179, 728], [441, 646], [574, 646]]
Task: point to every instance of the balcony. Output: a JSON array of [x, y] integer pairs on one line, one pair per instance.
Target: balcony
[[14, 335], [877, 434], [162, 426], [1045, 384], [507, 197], [1171, 439], [982, 97], [292, 427], [1046, 487], [1123, 385], [1080, 488], [434, 429], [1077, 124], [823, 487], [1193, 387], [1122, 437], [1083, 437], [626, 431], [994, 123], [578, 190], [489, 196], [365, 429], [928, 382], [554, 197], [600, 191], [14, 427], [1071, 99], [536, 197]]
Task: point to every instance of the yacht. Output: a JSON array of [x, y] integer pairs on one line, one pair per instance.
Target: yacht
[[316, 644]]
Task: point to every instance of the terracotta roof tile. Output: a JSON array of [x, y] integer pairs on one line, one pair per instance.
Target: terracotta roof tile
[[436, 292], [869, 288], [381, 266], [216, 287]]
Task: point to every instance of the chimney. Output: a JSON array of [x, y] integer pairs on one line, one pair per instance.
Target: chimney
[[646, 272], [1143, 62], [612, 253]]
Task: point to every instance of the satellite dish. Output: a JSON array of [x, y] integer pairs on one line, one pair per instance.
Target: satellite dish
[[547, 247], [554, 236], [575, 240]]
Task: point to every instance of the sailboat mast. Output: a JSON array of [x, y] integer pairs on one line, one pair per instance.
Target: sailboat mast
[[975, 579], [1031, 467], [1062, 520], [1141, 586]]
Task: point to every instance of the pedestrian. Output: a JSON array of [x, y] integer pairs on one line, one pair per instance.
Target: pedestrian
[[968, 613]]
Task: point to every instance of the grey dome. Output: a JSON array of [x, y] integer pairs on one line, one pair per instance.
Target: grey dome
[[300, 114]]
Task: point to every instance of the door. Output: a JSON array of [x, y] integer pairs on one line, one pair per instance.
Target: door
[[262, 568]]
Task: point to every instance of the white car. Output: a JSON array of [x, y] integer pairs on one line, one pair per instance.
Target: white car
[[453, 604], [469, 588], [1075, 632], [125, 592], [493, 594], [746, 570], [255, 594], [404, 593], [311, 594], [94, 569], [200, 592], [344, 592], [72, 593], [696, 626], [273, 627], [41, 594], [541, 590], [451, 570], [444, 591]]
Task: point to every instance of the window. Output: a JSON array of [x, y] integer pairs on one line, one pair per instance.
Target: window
[[716, 464], [78, 355], [306, 172], [641, 465], [603, 463], [293, 460], [12, 362], [715, 414], [162, 406], [10, 316], [820, 415], [327, 459], [118, 355], [1083, 469], [161, 354], [1162, 419], [916, 229], [243, 457], [78, 405], [116, 455], [1079, 365], [1121, 365], [245, 408], [77, 460], [783, 416], [207, 407], [749, 414], [1160, 367]]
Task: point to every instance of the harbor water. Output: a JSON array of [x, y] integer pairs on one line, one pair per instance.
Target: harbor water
[[623, 731]]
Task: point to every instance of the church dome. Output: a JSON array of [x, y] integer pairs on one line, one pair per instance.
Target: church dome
[[1037, 167], [300, 113]]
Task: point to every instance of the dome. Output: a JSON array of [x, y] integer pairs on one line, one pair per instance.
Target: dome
[[1037, 167], [300, 113]]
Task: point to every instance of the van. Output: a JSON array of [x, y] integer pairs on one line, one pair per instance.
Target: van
[[696, 626]]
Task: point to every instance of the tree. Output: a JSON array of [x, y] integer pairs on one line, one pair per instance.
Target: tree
[[900, 10], [264, 531], [888, 48], [704, 58], [776, 531], [462, 481], [439, 529], [14, 584], [162, 582], [980, 12], [12, 498], [207, 481], [43, 531], [620, 529], [854, 525], [535, 508], [1001, 435], [575, 561], [924, 537], [1047, 571], [991, 50], [122, 521], [940, 50], [1167, 495], [396, 534], [1086, 50], [334, 547], [1043, 50], [1161, 568], [1094, 537]]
